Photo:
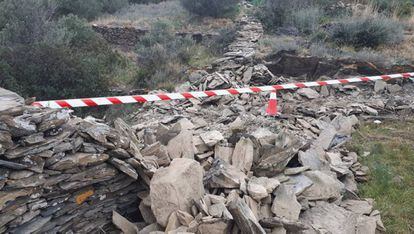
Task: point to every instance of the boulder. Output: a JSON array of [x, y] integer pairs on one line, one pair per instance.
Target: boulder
[[175, 187]]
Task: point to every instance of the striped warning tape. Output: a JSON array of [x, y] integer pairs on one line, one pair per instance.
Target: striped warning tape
[[103, 101]]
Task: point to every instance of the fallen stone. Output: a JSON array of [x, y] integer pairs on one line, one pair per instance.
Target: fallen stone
[[324, 186], [357, 206], [216, 227], [295, 170], [224, 153], [175, 188], [124, 167], [243, 155], [9, 99], [181, 146], [211, 138], [308, 93], [224, 175], [379, 86], [123, 224], [285, 204], [244, 217], [331, 218], [256, 191]]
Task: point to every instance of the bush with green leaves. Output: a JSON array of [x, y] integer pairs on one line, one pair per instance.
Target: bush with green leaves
[[213, 8], [52, 59], [302, 14], [89, 9], [369, 32], [162, 56]]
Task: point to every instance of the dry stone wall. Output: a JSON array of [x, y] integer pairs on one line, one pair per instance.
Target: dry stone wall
[[62, 174], [130, 36]]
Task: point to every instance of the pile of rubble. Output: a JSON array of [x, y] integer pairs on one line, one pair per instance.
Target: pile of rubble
[[62, 174], [216, 165]]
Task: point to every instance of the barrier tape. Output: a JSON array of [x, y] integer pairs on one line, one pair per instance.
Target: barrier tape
[[104, 101]]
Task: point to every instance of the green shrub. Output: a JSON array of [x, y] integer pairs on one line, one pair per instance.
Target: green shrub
[[366, 32], [24, 21], [52, 59], [303, 14], [214, 8], [54, 72], [307, 20], [89, 9], [164, 57]]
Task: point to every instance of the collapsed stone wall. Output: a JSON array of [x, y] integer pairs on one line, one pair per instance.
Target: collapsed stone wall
[[60, 173]]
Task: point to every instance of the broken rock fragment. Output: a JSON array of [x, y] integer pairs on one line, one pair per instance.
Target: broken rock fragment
[[243, 154], [285, 204], [175, 187], [244, 217]]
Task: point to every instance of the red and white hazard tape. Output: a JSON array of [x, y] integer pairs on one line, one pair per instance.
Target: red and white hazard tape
[[103, 101]]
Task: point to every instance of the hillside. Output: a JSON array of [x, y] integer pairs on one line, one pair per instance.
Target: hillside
[[199, 148]]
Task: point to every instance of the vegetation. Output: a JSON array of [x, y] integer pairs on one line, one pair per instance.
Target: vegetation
[[52, 58], [213, 8], [164, 57], [366, 32], [391, 161]]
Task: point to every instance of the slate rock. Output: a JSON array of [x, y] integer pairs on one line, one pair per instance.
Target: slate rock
[[175, 187]]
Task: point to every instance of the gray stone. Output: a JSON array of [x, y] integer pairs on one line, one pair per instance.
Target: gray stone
[[175, 188], [285, 204], [181, 146], [79, 159], [9, 99], [308, 93], [124, 167], [243, 155], [211, 138], [223, 175], [244, 217], [324, 186], [123, 224]]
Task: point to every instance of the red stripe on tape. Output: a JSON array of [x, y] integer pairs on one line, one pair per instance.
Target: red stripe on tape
[[256, 89], [322, 83], [63, 104], [406, 75], [187, 95], [114, 100], [89, 102], [344, 81], [210, 93], [278, 87], [364, 79], [385, 77], [233, 91], [164, 97], [139, 99], [300, 85]]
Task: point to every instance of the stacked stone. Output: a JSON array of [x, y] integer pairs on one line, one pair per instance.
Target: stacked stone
[[60, 173], [124, 36]]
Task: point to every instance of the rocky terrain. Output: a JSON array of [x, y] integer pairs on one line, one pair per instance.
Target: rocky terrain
[[216, 165]]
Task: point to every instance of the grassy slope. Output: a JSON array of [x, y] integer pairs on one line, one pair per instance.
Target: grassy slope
[[391, 161]]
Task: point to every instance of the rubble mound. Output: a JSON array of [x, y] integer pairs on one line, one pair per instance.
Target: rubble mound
[[214, 165]]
